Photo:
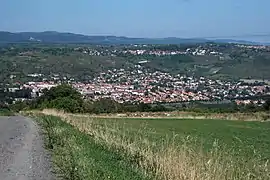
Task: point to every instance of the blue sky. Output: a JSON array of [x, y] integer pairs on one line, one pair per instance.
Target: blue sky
[[140, 18]]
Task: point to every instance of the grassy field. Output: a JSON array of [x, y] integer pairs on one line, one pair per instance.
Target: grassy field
[[6, 112], [242, 137], [77, 156], [124, 148]]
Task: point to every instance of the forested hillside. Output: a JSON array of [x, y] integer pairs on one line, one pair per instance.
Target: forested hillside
[[82, 62]]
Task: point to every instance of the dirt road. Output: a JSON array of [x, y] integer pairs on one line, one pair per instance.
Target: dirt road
[[22, 156]]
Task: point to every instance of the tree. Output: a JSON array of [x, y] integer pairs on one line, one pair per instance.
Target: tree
[[142, 107], [159, 108], [63, 97], [107, 106], [60, 91], [88, 107], [251, 107], [266, 105], [19, 106], [67, 104]]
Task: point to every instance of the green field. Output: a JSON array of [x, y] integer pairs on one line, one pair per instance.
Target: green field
[[161, 149], [6, 112], [243, 137]]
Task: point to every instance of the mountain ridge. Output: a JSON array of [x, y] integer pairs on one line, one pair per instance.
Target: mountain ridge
[[67, 37]]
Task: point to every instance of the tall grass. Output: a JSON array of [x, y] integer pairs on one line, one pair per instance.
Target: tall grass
[[76, 156], [6, 112], [165, 158], [251, 116]]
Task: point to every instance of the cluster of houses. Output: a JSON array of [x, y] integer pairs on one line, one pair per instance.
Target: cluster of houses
[[210, 50], [141, 85], [142, 51]]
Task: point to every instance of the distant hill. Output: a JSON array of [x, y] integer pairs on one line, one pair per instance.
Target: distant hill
[[58, 37]]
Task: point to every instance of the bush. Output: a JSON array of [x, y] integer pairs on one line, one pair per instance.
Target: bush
[[5, 111], [104, 106], [266, 105], [67, 104], [19, 106], [63, 97]]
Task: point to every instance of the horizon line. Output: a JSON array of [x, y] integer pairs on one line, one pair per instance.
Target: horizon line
[[190, 37]]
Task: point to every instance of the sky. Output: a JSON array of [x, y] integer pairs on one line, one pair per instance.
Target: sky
[[140, 18]]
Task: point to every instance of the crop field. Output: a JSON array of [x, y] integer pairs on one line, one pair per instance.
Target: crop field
[[121, 148]]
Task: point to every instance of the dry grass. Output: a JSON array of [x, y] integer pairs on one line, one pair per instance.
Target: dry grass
[[258, 116], [168, 160]]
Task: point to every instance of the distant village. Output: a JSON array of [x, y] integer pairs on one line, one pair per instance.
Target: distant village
[[148, 50], [140, 85]]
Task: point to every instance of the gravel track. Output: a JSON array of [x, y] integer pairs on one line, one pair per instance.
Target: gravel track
[[22, 156]]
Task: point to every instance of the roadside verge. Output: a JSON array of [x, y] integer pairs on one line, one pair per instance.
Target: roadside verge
[[76, 156]]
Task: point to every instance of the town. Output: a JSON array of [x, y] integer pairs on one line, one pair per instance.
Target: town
[[166, 50], [140, 85], [142, 73]]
